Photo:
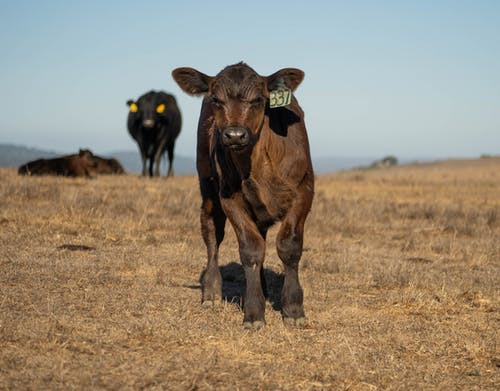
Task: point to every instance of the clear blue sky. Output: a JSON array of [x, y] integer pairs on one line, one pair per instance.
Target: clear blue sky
[[409, 78]]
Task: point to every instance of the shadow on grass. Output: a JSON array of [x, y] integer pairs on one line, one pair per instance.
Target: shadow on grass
[[234, 285]]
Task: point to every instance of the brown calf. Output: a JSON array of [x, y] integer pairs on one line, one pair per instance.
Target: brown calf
[[254, 168]]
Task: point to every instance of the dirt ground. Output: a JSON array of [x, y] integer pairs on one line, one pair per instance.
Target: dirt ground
[[401, 275]]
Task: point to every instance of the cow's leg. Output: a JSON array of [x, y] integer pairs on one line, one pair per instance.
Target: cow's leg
[[170, 151], [142, 150], [252, 248], [156, 160], [160, 149], [151, 163], [213, 221], [289, 245]]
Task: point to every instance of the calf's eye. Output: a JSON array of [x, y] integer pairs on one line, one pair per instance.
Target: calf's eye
[[133, 108], [257, 101], [160, 108]]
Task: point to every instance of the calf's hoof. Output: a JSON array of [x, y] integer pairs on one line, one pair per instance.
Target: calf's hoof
[[211, 303], [255, 325], [295, 322]]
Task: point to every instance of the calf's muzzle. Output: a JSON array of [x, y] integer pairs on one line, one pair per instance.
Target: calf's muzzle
[[235, 136]]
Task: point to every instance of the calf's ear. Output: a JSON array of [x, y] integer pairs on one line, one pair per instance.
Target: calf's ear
[[292, 77], [191, 81], [129, 102]]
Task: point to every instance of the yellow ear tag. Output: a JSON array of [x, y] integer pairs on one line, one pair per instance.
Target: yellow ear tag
[[160, 109], [281, 96], [133, 108]]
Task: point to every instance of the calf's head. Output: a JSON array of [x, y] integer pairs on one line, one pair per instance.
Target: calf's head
[[148, 110], [239, 97]]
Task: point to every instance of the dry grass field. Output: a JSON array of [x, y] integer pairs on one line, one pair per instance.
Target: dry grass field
[[401, 274]]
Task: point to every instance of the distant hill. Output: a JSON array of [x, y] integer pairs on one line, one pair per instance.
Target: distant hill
[[15, 155], [325, 164]]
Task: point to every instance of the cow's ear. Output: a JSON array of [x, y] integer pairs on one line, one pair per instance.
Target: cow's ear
[[292, 77], [129, 102], [191, 81]]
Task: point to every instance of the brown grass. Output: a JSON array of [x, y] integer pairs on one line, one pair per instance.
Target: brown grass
[[401, 272]]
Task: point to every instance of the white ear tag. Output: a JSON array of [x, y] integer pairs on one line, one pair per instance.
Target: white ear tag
[[280, 96]]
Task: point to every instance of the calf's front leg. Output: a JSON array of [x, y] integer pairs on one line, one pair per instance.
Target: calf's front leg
[[212, 220], [289, 245], [252, 251]]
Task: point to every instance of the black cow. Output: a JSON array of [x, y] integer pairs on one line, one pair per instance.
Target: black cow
[[154, 121]]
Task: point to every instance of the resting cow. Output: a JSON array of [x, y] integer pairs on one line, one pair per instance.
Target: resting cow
[[85, 163], [254, 168], [71, 165], [154, 121]]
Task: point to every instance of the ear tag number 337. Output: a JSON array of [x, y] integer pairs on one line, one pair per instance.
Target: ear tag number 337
[[281, 96]]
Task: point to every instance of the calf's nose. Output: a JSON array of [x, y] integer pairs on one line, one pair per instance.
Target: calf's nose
[[235, 136]]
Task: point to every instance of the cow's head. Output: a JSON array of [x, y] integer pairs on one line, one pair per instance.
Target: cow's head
[[85, 153], [149, 110], [239, 97], [87, 158]]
